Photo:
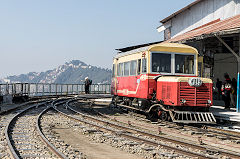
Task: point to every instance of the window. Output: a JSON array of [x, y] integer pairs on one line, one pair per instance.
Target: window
[[133, 67], [120, 69], [184, 64], [161, 62], [113, 70], [144, 65], [139, 67], [126, 68]]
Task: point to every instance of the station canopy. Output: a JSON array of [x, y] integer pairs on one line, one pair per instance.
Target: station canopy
[[217, 27]]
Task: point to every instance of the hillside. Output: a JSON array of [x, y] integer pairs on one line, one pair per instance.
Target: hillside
[[72, 72]]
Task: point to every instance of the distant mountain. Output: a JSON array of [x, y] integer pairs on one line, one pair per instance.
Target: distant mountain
[[73, 72]]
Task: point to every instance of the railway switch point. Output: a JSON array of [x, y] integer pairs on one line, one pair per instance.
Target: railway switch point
[[200, 140], [159, 130]]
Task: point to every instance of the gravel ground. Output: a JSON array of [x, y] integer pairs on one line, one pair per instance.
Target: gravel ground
[[71, 139]]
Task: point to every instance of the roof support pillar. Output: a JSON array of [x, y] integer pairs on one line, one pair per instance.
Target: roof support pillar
[[231, 50], [238, 60]]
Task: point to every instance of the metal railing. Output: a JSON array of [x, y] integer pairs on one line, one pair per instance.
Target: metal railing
[[46, 89]]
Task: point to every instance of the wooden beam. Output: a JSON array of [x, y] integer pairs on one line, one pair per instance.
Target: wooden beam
[[228, 47]]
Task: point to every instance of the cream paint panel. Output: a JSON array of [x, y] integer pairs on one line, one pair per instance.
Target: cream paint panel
[[181, 79], [173, 47], [135, 56]]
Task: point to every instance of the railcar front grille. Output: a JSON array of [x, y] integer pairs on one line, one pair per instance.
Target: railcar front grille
[[195, 96]]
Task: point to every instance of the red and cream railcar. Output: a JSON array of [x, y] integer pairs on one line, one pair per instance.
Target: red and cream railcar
[[165, 75]]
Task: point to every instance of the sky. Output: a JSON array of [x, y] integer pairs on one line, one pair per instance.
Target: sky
[[39, 35]]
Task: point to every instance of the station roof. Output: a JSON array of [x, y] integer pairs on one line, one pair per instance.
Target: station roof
[[219, 27], [180, 11], [129, 48]]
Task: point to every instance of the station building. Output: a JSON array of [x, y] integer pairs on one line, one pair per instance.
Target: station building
[[213, 27]]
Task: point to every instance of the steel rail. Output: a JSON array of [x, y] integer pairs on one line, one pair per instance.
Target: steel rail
[[19, 106], [179, 151], [12, 150], [233, 134], [44, 139]]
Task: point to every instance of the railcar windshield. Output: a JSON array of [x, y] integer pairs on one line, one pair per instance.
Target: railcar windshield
[[184, 64], [161, 62]]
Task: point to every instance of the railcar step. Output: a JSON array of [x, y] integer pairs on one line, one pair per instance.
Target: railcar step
[[192, 117]]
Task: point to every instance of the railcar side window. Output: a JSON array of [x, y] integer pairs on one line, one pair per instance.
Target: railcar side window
[[139, 67], [184, 64], [144, 65], [133, 67], [126, 68], [161, 62], [120, 69]]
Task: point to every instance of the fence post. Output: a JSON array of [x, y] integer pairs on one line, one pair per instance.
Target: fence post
[[56, 89], [43, 90], [67, 90], [36, 89], [238, 93], [29, 89], [77, 89]]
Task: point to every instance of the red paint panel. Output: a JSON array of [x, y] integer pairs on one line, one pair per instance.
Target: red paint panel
[[172, 93], [136, 86], [167, 92]]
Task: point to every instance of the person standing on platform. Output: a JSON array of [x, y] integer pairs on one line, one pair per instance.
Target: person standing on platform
[[226, 91], [87, 84], [219, 86]]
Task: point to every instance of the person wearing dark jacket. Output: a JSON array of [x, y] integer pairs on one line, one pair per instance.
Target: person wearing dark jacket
[[87, 84], [226, 91]]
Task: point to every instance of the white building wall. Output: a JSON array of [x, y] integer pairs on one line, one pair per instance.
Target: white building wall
[[224, 63], [202, 13]]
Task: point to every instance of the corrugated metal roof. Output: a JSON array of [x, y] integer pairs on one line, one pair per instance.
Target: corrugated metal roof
[[180, 11], [129, 48], [223, 25]]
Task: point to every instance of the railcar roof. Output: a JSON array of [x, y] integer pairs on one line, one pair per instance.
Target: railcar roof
[[160, 45]]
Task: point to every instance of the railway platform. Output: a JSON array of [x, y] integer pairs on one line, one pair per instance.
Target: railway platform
[[6, 107], [220, 113]]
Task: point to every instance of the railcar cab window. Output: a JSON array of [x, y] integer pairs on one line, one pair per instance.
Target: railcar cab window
[[184, 64], [161, 62]]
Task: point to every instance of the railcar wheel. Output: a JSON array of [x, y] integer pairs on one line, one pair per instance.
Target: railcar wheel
[[153, 116], [163, 115]]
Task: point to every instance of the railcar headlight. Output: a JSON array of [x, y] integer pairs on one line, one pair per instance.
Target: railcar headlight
[[209, 101], [184, 101]]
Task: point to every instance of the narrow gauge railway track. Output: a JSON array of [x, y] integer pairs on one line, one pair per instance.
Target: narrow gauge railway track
[[123, 131], [22, 136], [158, 137], [231, 135], [5, 118]]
